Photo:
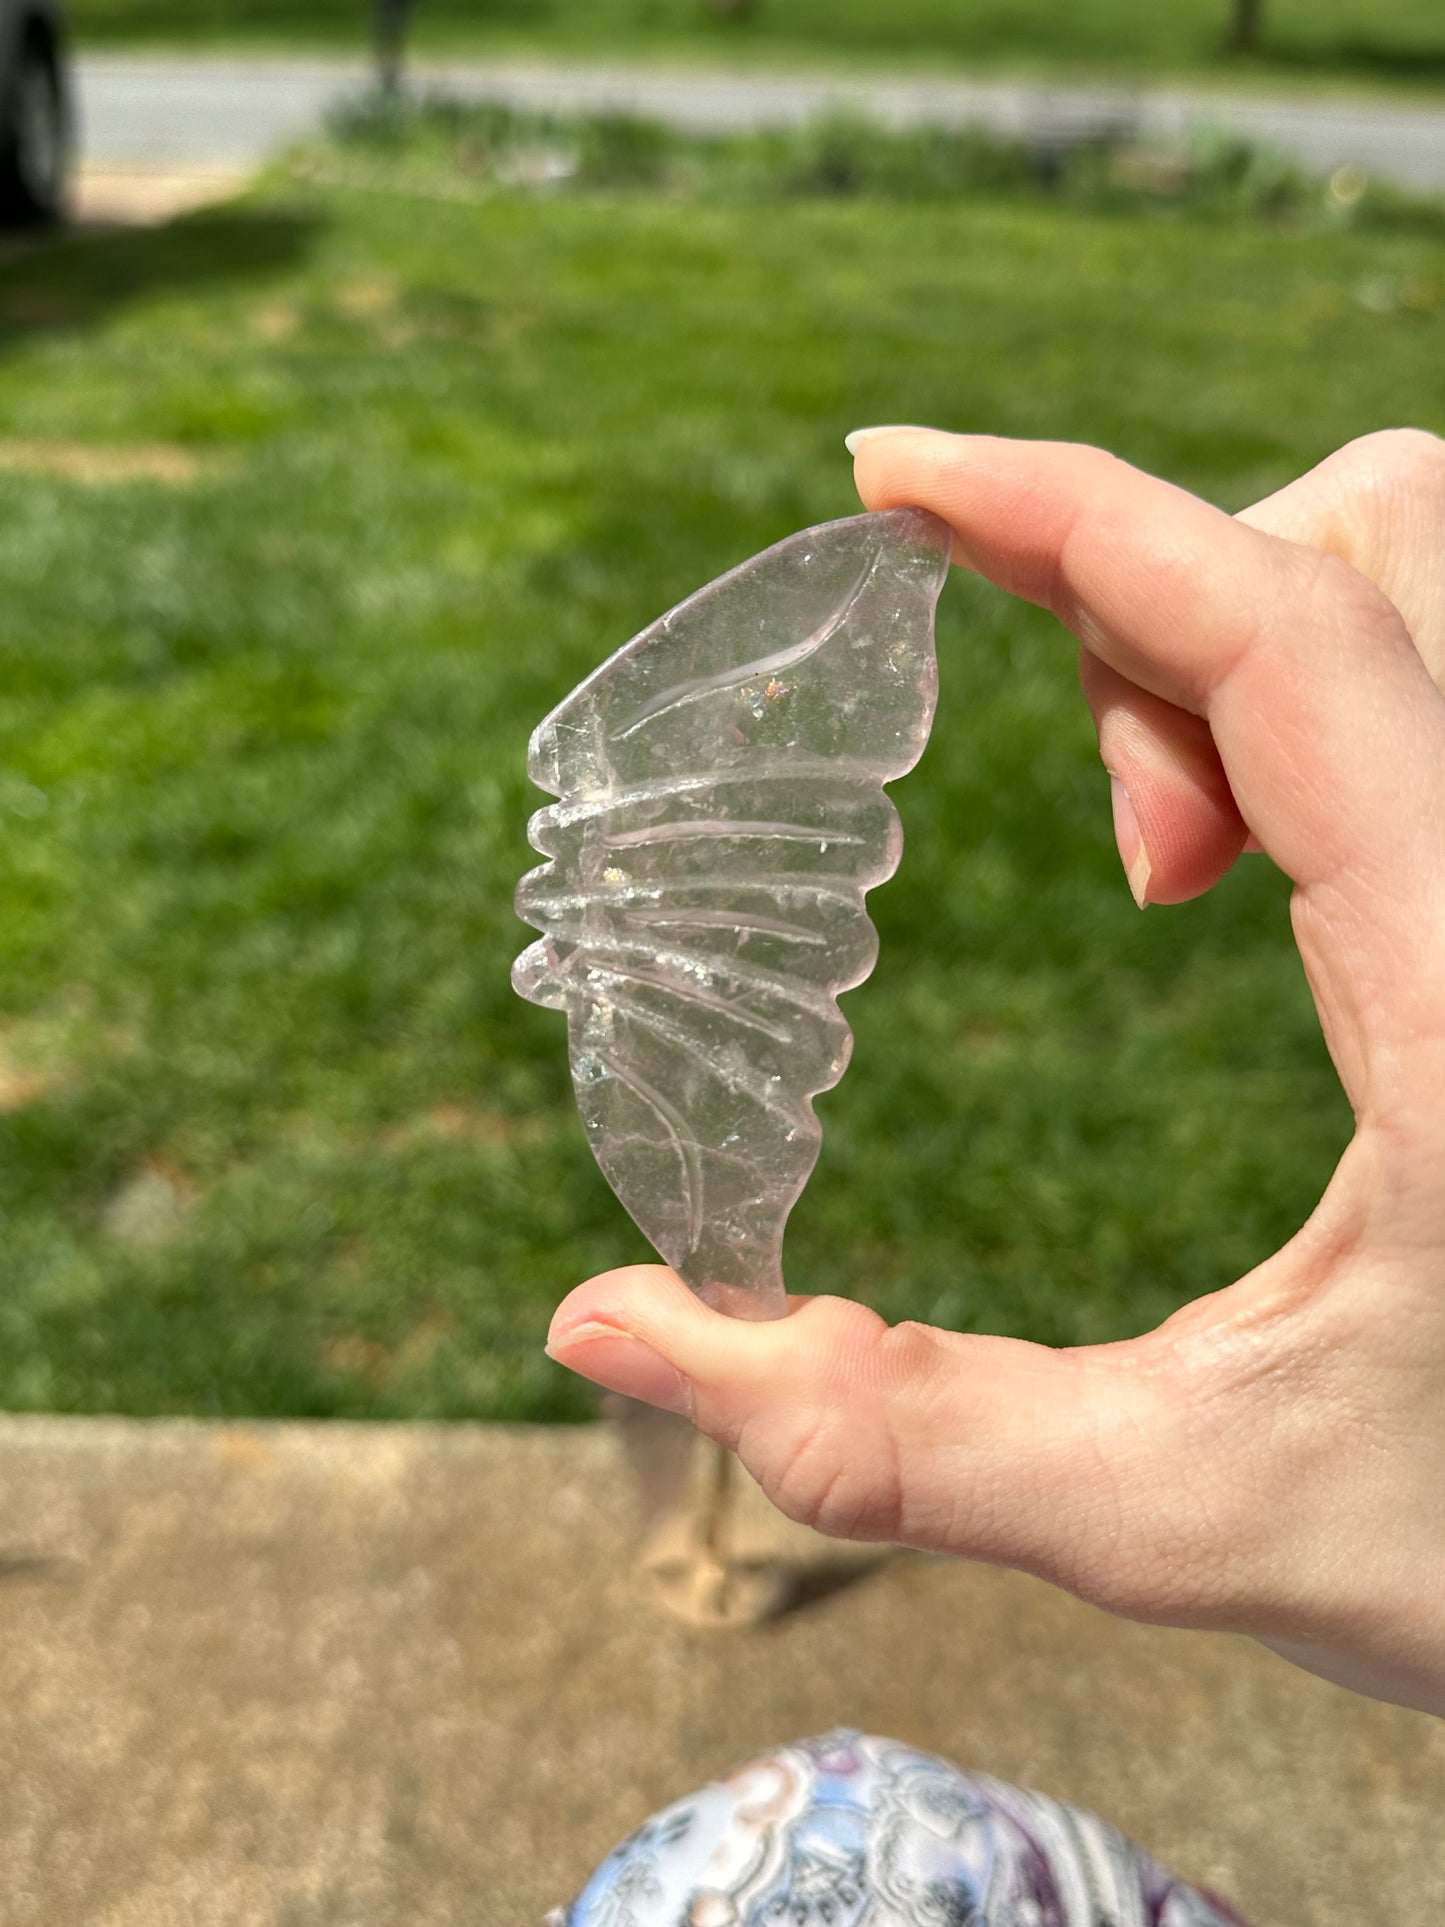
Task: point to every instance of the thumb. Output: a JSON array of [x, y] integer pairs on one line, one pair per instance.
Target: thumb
[[985, 1446]]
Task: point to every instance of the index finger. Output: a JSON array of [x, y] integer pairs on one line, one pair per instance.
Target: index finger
[[1329, 727]]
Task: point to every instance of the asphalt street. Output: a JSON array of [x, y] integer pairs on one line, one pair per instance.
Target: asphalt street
[[175, 111]]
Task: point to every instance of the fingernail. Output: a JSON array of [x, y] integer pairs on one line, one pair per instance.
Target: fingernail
[[623, 1364], [855, 441], [1134, 856]]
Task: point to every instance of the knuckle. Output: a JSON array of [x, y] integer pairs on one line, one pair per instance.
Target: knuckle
[[1388, 461], [1336, 588], [909, 1356], [816, 1473], [827, 1457], [1102, 460], [849, 1325], [834, 1338], [1411, 448]]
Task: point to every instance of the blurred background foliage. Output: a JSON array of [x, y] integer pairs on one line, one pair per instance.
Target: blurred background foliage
[[310, 506], [1388, 42]]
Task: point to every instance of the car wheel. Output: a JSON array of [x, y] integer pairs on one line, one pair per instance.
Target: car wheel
[[34, 139]]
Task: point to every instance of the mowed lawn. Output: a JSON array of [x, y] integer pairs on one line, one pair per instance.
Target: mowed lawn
[[310, 507], [1310, 40]]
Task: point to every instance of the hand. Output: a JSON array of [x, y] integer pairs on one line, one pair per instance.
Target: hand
[[1271, 1460]]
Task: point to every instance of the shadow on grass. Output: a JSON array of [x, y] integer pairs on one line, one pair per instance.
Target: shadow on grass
[[1363, 59], [75, 279]]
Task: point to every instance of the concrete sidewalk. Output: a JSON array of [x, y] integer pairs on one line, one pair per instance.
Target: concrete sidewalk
[[293, 1674], [149, 109], [107, 197]]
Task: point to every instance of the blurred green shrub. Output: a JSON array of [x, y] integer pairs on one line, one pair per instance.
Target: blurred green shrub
[[842, 155]]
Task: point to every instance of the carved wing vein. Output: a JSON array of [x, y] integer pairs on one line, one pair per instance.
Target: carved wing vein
[[824, 771], [678, 1134], [804, 997], [722, 826], [830, 889], [694, 690], [751, 1087], [691, 994], [748, 926]]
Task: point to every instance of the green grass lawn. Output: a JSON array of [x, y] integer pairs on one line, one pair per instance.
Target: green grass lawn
[[1387, 42], [275, 1135]]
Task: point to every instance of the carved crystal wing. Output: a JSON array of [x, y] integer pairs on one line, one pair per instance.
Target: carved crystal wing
[[721, 817]]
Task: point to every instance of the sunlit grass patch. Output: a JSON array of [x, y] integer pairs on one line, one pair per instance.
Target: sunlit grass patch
[[263, 734], [100, 464]]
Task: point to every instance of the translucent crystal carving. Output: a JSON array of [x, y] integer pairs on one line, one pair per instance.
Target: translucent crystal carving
[[721, 817]]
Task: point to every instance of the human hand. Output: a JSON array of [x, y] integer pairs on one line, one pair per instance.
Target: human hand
[[1271, 1460]]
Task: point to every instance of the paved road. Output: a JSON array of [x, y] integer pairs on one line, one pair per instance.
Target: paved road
[[146, 110]]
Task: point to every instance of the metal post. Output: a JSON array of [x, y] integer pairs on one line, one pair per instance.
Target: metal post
[[1245, 20], [390, 17]]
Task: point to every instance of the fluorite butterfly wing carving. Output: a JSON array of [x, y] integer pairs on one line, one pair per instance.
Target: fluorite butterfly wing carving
[[721, 817]]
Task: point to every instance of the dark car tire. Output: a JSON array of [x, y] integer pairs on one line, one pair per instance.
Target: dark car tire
[[34, 137]]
